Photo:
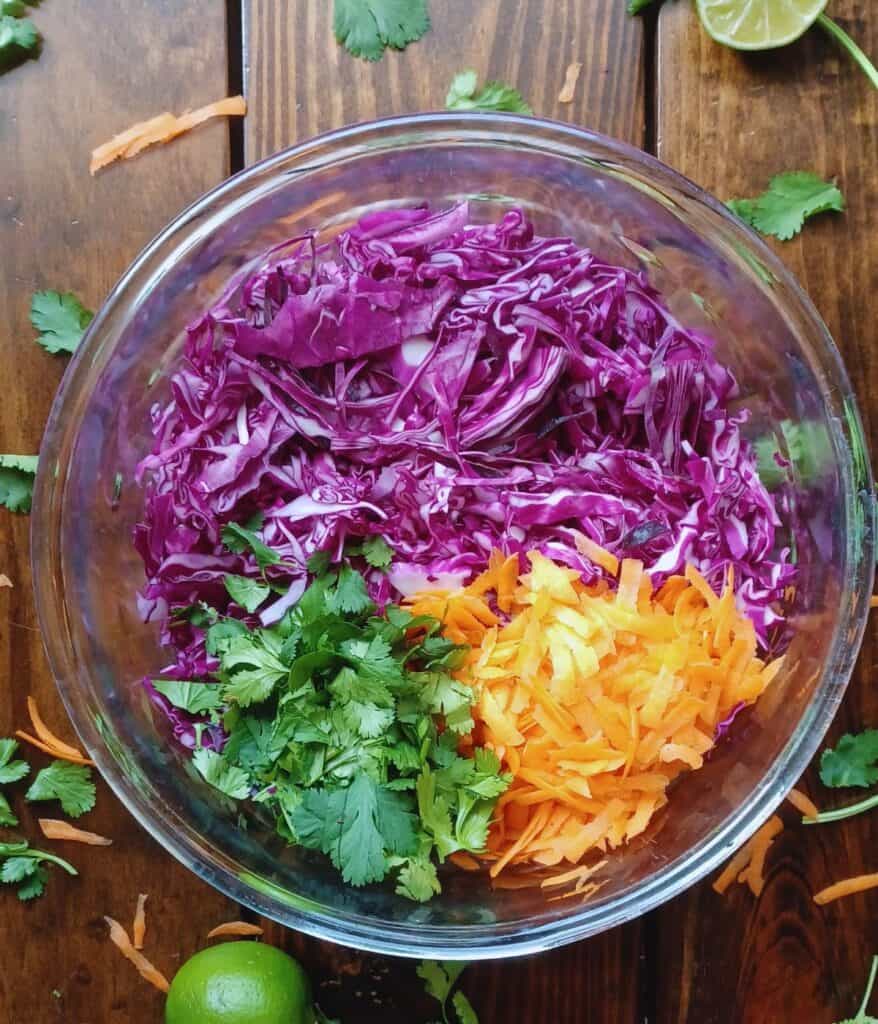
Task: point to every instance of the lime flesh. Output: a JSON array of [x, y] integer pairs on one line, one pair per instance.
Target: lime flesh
[[240, 983], [758, 24]]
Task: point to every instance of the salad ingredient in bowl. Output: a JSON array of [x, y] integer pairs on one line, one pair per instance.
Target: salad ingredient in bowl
[[459, 546]]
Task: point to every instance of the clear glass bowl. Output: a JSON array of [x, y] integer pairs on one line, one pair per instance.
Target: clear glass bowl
[[631, 209]]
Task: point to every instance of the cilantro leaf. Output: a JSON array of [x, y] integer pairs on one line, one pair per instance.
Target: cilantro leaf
[[636, 6], [34, 885], [350, 594], [377, 552], [196, 698], [250, 671], [61, 320], [220, 635], [15, 869], [435, 814], [7, 815], [464, 1009], [18, 38], [216, 772], [355, 827], [14, 8], [239, 538], [789, 200], [17, 481], [249, 594], [853, 762], [367, 27], [439, 978], [418, 880], [318, 563], [70, 783], [464, 94]]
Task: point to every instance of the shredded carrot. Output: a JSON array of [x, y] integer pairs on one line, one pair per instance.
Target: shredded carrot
[[748, 863], [34, 742], [571, 77], [847, 887], [54, 829], [464, 861], [139, 927], [803, 803], [595, 698], [119, 938], [5, 581], [234, 928], [46, 735], [873, 601], [162, 128]]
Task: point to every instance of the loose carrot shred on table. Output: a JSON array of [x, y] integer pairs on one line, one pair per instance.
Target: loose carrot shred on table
[[846, 887], [119, 938], [803, 803], [60, 755], [162, 128], [55, 829], [46, 735], [5, 581], [748, 863], [571, 77], [873, 601], [234, 928], [581, 687], [138, 929]]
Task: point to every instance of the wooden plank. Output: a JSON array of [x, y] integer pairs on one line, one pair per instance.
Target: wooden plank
[[103, 66], [300, 83], [730, 122]]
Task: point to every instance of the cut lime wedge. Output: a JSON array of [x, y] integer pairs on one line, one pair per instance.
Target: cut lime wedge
[[758, 24]]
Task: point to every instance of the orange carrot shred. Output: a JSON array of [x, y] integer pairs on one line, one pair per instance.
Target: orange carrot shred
[[34, 742], [162, 128], [571, 77], [234, 928], [753, 874], [46, 735], [846, 887], [803, 803], [119, 938], [138, 929], [52, 828], [464, 861], [873, 601], [5, 581]]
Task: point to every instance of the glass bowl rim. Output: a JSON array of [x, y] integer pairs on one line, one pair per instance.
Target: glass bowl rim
[[449, 941]]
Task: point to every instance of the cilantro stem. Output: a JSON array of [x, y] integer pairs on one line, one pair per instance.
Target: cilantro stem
[[42, 855], [869, 986], [843, 812], [846, 43]]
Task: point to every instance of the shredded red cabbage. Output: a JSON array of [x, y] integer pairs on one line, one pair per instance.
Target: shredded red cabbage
[[452, 387]]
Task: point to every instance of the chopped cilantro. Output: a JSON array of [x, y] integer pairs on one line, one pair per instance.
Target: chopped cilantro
[[367, 27], [196, 698], [787, 203], [464, 94], [70, 783], [350, 594], [61, 320], [17, 481], [853, 762], [249, 594], [241, 538], [318, 563], [215, 770]]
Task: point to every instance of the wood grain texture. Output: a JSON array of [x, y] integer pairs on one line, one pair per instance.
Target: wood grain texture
[[103, 66], [300, 82], [730, 122]]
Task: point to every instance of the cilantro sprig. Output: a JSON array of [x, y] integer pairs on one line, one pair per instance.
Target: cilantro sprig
[[11, 770], [786, 204], [465, 94], [440, 979], [862, 1017], [344, 724], [365, 28], [22, 866], [17, 474], [852, 762], [70, 784]]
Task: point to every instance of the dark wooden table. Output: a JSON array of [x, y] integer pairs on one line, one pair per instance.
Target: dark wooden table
[[727, 121]]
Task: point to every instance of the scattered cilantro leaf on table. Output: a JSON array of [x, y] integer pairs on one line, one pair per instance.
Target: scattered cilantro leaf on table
[[787, 203], [464, 94], [61, 320], [862, 1017], [11, 771], [25, 868], [71, 784], [367, 27], [636, 6], [853, 762], [439, 979], [19, 39], [17, 474]]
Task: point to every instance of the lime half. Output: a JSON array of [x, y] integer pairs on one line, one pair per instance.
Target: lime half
[[758, 24]]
